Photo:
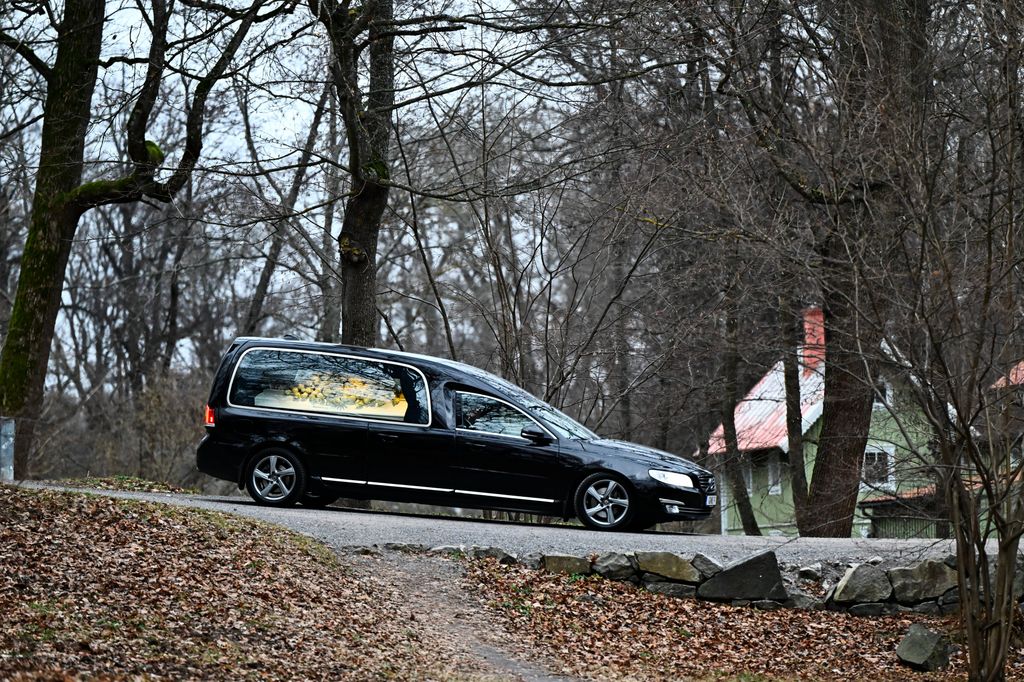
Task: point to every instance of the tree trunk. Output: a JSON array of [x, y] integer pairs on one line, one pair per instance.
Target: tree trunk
[[368, 129], [67, 112], [792, 339], [846, 415], [733, 462]]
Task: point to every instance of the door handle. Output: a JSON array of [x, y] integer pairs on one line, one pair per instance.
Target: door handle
[[388, 437], [478, 446]]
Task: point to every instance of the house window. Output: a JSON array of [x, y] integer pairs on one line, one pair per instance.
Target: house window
[[774, 477], [878, 468], [748, 477]]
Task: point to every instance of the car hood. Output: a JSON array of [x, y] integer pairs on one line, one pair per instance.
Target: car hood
[[652, 456]]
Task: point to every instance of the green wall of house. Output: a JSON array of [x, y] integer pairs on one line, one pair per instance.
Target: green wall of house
[[902, 434]]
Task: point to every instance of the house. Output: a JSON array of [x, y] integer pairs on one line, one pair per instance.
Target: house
[[894, 477]]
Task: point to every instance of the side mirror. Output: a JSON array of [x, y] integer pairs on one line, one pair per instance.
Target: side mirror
[[536, 435]]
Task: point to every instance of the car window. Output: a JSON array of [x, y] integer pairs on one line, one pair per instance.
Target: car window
[[307, 381], [481, 413]]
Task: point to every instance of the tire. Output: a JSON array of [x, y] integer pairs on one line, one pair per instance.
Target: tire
[[276, 478], [604, 501], [318, 500]]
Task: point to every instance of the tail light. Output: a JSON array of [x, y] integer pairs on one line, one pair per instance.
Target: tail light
[[208, 417]]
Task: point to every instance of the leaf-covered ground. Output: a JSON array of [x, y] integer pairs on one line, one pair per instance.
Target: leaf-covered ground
[[98, 587], [127, 483], [602, 629]]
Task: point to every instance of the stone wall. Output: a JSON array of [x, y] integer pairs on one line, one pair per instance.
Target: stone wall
[[865, 589]]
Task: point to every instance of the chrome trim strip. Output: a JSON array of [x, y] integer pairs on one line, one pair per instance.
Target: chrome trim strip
[[329, 415], [514, 407], [341, 480], [410, 487], [508, 497], [677, 503]]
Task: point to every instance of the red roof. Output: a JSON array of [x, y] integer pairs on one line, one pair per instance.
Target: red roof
[[761, 415], [1015, 377]]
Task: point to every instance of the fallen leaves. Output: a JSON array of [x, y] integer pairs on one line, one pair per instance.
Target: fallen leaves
[[600, 629], [93, 586]]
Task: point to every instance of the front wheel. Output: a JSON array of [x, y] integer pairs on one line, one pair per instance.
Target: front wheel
[[276, 478], [603, 502]]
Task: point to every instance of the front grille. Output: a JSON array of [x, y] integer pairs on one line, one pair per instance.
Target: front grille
[[707, 483]]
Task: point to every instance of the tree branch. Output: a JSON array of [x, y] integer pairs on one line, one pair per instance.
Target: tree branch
[[26, 53]]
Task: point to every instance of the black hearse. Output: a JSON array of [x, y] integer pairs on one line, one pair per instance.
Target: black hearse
[[310, 422]]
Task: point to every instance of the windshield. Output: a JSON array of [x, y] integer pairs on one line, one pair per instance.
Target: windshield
[[562, 423]]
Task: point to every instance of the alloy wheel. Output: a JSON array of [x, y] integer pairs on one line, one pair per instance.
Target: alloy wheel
[[606, 502], [274, 478]]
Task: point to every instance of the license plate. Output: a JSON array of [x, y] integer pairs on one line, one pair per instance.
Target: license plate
[[712, 500]]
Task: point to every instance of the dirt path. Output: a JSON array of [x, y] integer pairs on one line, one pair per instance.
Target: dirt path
[[435, 603]]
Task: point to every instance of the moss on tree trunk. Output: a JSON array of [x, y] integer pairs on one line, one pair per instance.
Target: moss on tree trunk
[[66, 116]]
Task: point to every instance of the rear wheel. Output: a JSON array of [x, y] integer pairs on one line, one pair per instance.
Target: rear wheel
[[603, 501], [276, 478]]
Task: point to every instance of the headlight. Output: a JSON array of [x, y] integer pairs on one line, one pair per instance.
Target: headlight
[[672, 478]]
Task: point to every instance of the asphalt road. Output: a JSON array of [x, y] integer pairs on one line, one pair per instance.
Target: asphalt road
[[343, 528]]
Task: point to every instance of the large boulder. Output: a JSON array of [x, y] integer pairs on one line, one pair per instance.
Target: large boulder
[[564, 563], [863, 583], [930, 579], [755, 578], [922, 649], [668, 565], [671, 589], [706, 565], [614, 566]]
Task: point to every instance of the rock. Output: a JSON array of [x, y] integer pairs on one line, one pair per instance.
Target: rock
[[950, 597], [366, 551], [950, 561], [671, 589], [614, 566], [501, 555], [448, 550], [766, 605], [861, 584], [922, 649], [706, 565], [591, 598], [928, 580], [669, 565], [531, 560], [405, 547], [653, 578], [875, 560], [564, 563], [812, 572], [872, 609], [754, 578], [928, 608], [805, 602]]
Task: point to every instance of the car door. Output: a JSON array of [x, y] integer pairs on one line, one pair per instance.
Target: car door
[[272, 399], [491, 460]]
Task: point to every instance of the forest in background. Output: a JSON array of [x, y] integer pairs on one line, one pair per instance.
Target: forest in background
[[624, 207]]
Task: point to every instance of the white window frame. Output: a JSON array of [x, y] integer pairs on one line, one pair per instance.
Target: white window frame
[[889, 450], [503, 402], [748, 476]]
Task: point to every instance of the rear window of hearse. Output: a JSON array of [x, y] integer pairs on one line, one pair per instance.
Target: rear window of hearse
[[307, 381]]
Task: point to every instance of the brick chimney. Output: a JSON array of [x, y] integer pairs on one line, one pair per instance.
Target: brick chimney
[[813, 352]]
